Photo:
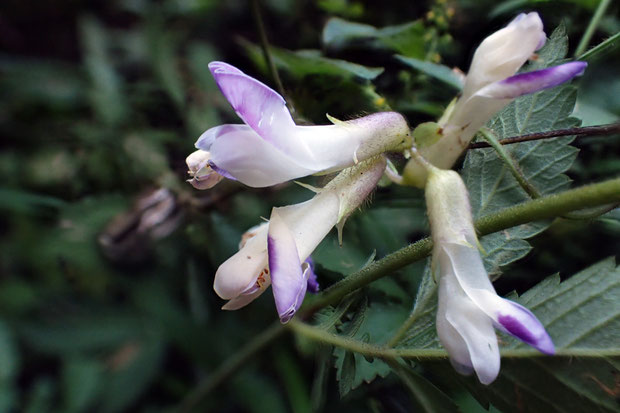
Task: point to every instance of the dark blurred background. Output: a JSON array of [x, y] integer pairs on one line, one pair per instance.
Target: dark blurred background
[[107, 256]]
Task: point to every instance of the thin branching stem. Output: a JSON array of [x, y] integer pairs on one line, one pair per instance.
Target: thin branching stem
[[510, 162], [594, 22], [600, 130], [535, 210], [606, 46], [264, 44], [372, 350]]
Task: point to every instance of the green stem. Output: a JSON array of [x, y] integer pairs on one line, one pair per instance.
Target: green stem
[[229, 366], [509, 161], [551, 206], [596, 19], [368, 274], [370, 350], [535, 210], [605, 46]]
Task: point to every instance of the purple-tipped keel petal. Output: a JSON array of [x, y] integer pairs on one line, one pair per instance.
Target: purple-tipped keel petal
[[530, 82], [313, 284], [522, 324], [221, 171], [288, 280], [260, 107]]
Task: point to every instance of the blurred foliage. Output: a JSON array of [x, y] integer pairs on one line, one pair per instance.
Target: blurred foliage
[[105, 281]]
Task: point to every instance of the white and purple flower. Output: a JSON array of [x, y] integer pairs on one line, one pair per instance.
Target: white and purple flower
[[277, 253], [490, 85], [469, 308], [270, 148]]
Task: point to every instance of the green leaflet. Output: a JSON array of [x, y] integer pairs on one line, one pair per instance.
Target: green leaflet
[[440, 72], [316, 85], [582, 312], [406, 39], [582, 315], [371, 324], [490, 184]]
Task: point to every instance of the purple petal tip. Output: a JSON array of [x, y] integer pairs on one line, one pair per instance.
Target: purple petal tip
[[530, 82], [516, 328], [313, 284], [221, 171], [534, 334]]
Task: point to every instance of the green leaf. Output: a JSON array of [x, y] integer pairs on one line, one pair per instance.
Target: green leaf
[[136, 368], [293, 381], [582, 315], [426, 397], [582, 312], [162, 46], [406, 39], [41, 81], [351, 9], [317, 85], [439, 72], [421, 332], [81, 379], [372, 324], [70, 334], [303, 63], [543, 163], [107, 95], [16, 200], [40, 396], [9, 354], [259, 393]]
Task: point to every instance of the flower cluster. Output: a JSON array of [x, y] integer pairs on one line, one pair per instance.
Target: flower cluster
[[468, 307], [490, 85], [269, 148]]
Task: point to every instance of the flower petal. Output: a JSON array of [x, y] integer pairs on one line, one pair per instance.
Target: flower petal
[[203, 176], [531, 82], [518, 321], [507, 315], [313, 284], [241, 271], [467, 333], [288, 281], [239, 151], [260, 107], [209, 136], [502, 53], [242, 300]]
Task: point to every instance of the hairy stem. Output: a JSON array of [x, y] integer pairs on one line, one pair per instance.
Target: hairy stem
[[611, 129], [605, 46], [510, 163], [542, 208], [370, 350], [535, 210]]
